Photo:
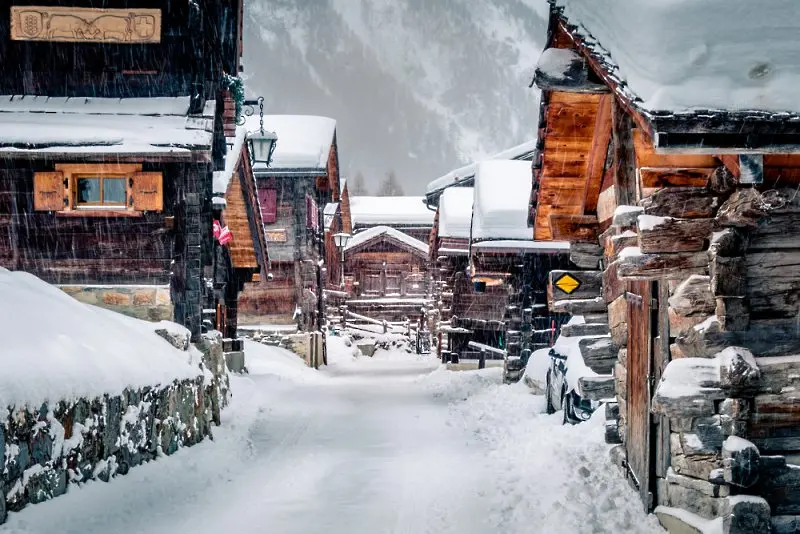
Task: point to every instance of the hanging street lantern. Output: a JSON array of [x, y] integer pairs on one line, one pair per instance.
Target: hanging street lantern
[[341, 240], [261, 144]]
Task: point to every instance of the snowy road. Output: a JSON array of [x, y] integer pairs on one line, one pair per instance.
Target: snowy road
[[388, 445]]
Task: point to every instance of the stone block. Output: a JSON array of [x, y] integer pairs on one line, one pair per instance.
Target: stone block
[[46, 484], [177, 338], [235, 361], [116, 298], [144, 297], [367, 348]]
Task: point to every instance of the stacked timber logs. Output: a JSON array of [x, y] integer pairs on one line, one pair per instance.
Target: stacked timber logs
[[727, 354]]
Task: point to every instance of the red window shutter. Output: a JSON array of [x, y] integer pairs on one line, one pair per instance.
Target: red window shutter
[[268, 200]]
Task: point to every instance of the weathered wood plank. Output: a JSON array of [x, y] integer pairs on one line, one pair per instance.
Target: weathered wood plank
[[655, 266], [624, 156], [585, 255], [574, 228], [596, 388], [668, 234], [743, 209], [681, 202], [579, 307], [693, 296], [598, 153], [772, 337], [599, 355], [584, 329], [672, 177]]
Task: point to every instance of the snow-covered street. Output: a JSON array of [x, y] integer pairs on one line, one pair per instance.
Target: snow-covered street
[[389, 444]]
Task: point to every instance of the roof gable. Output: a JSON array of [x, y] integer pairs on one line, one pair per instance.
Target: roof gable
[[377, 234]]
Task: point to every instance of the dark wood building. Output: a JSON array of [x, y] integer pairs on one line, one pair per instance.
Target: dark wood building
[[293, 192], [387, 274], [112, 126], [501, 298], [694, 213]]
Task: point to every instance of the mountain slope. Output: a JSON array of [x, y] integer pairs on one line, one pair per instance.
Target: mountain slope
[[417, 86]]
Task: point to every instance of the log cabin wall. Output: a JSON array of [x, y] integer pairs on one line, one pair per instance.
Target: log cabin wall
[[198, 40], [124, 263], [725, 257]]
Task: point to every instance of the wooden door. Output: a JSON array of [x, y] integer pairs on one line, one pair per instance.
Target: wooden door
[[393, 283], [371, 283], [638, 441]]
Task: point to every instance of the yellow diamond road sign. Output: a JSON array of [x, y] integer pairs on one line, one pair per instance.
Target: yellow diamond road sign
[[568, 283]]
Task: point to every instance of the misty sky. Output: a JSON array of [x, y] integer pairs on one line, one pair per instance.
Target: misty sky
[[417, 87]]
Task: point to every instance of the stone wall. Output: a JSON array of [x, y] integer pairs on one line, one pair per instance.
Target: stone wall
[[150, 303], [47, 449]]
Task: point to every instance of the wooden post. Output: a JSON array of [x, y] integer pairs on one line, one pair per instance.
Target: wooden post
[[624, 157], [482, 359]]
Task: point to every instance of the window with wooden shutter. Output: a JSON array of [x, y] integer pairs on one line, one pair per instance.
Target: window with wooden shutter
[[147, 192], [268, 200], [49, 191]]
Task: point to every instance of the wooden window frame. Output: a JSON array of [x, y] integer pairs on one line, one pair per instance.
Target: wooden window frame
[[74, 172]]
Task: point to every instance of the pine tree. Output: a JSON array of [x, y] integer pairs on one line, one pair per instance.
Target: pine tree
[[391, 186]]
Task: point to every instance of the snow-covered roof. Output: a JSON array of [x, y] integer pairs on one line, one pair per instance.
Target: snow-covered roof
[[697, 54], [500, 209], [73, 350], [522, 151], [455, 212], [371, 233], [235, 144], [36, 124], [368, 211], [304, 141]]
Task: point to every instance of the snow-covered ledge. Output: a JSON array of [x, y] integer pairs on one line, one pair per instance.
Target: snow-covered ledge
[[86, 393]]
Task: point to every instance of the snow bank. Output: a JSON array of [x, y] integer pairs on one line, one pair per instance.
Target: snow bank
[[55, 348], [502, 192], [368, 211], [304, 141], [278, 362], [546, 477], [455, 212], [362, 237], [698, 54]]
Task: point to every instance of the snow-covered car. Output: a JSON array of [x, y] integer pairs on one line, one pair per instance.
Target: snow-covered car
[[560, 396]]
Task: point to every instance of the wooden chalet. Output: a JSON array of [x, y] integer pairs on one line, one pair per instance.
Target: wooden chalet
[[387, 274], [449, 244], [293, 192], [407, 214], [500, 300], [684, 207], [112, 126], [241, 257]]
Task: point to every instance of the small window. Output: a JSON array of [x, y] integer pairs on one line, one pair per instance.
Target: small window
[[105, 191]]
